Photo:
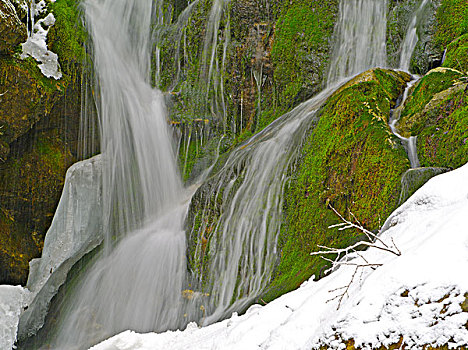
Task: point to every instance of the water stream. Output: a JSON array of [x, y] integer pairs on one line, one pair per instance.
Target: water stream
[[136, 282], [360, 36], [411, 37], [140, 280], [408, 142]]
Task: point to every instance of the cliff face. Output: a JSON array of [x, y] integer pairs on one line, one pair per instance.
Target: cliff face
[[39, 125]]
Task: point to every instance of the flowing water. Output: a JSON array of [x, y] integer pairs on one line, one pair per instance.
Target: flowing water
[[411, 38], [139, 279], [250, 187], [408, 142], [360, 36], [136, 283], [250, 184], [407, 49]]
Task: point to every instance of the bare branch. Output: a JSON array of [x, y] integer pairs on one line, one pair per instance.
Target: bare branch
[[343, 257]]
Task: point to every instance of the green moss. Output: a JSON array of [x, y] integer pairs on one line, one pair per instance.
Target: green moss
[[444, 140], [452, 18], [67, 36], [435, 81], [350, 161], [302, 37], [457, 54]]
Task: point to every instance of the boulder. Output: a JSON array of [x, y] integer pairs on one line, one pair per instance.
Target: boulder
[[12, 30]]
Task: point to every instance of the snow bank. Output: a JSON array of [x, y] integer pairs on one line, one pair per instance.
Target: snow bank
[[415, 297], [12, 301], [36, 46]]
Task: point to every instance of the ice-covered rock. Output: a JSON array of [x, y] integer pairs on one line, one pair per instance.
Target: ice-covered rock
[[12, 301], [75, 231]]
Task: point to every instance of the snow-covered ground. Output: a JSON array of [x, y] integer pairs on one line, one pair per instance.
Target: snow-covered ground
[[416, 296]]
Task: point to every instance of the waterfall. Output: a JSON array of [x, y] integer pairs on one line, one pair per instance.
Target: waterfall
[[411, 38], [250, 186], [360, 35], [136, 282], [408, 142]]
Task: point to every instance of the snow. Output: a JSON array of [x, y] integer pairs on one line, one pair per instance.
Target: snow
[[12, 301], [36, 46], [416, 296]]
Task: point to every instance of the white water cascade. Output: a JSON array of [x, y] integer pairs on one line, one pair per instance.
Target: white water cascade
[[359, 38], [250, 185], [407, 49], [137, 280]]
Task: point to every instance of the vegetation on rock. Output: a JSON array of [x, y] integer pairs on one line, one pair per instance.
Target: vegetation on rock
[[437, 112], [352, 162]]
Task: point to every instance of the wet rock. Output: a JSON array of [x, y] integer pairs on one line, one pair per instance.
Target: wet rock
[[437, 113], [26, 98], [456, 55], [12, 31], [413, 179], [427, 54]]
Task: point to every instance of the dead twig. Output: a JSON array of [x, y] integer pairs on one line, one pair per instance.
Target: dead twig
[[343, 254]]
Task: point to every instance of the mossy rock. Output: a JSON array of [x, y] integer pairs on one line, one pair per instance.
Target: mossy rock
[[26, 97], [444, 139], [301, 48], [67, 36], [434, 82], [452, 21], [457, 54], [352, 162], [31, 181], [437, 113]]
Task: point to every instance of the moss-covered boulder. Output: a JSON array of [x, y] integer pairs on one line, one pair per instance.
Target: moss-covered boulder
[[452, 22], [437, 112], [352, 162], [301, 49], [456, 55], [437, 80]]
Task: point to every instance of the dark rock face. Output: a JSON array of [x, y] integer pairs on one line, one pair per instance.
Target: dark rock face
[[39, 127], [427, 54], [26, 98], [12, 31]]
